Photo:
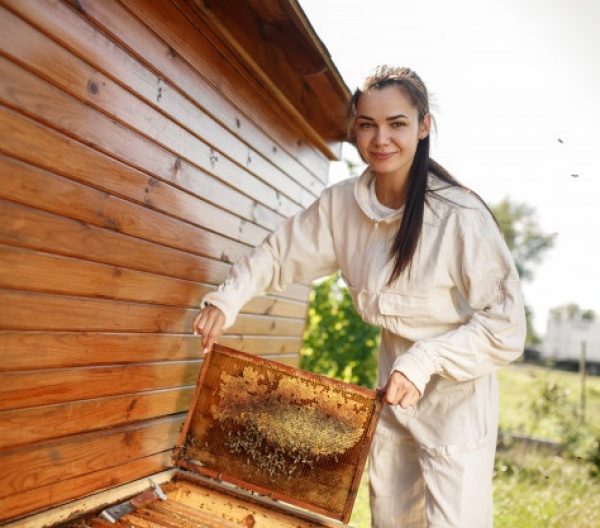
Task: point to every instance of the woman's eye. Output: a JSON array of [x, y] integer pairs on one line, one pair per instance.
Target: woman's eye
[[365, 124], [398, 124]]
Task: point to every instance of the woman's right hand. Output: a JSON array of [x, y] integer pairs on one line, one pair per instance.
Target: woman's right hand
[[209, 324]]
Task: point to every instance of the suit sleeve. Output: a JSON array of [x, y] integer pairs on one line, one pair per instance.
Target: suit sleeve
[[300, 249], [487, 279]]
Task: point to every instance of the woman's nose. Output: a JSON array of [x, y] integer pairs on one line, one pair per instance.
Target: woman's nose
[[381, 137]]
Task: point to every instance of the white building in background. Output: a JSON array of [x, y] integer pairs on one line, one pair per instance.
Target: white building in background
[[564, 337]]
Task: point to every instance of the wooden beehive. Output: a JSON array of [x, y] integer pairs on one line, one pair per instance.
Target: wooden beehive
[[193, 502], [268, 429], [146, 146]]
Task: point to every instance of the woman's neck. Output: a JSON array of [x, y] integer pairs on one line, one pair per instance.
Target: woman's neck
[[391, 190]]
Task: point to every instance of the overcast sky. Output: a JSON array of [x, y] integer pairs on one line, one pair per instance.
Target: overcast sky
[[508, 79]]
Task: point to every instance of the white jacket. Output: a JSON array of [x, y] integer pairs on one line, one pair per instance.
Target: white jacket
[[459, 315]]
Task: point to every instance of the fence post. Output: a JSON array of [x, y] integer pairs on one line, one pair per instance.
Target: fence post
[[582, 370]]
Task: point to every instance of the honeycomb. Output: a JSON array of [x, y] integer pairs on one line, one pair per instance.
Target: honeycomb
[[281, 430]]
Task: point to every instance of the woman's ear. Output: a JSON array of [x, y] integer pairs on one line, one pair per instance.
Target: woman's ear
[[425, 127]]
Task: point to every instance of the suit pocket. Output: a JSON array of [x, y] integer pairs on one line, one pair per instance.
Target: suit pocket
[[406, 305], [422, 313]]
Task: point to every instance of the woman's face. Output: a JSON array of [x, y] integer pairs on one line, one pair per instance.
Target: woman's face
[[388, 130]]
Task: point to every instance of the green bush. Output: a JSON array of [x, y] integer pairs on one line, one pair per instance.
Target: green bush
[[337, 342], [554, 402]]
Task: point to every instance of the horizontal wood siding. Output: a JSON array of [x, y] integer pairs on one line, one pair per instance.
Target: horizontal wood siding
[[139, 159]]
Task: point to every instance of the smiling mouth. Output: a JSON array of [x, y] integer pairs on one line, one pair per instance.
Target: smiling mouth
[[382, 155]]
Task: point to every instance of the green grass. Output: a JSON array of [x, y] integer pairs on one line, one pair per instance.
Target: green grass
[[532, 488], [521, 385], [537, 490]]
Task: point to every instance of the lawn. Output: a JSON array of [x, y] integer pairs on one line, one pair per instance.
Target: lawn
[[536, 488], [535, 400]]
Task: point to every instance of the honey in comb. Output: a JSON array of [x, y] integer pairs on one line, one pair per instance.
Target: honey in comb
[[282, 424], [279, 431]]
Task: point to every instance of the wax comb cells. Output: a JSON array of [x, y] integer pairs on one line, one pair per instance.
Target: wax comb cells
[[281, 429]]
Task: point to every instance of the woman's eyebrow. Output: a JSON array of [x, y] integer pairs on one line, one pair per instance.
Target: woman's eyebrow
[[391, 118]]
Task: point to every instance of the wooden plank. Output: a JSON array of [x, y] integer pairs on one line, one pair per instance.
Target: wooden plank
[[39, 145], [45, 387], [263, 345], [301, 143], [147, 518], [264, 48], [20, 181], [47, 350], [267, 325], [219, 504], [292, 361], [33, 311], [276, 306], [262, 95], [23, 269], [84, 82], [92, 87], [32, 467], [198, 232], [101, 487], [28, 227], [36, 424], [31, 228], [199, 71], [171, 510], [44, 497]]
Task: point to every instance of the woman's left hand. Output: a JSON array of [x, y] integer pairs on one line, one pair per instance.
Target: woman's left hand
[[400, 390]]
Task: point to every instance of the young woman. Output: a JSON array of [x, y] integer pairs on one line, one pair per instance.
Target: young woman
[[425, 260]]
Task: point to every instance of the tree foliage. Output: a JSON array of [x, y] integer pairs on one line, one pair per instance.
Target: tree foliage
[[572, 312], [527, 243], [523, 235], [337, 342]]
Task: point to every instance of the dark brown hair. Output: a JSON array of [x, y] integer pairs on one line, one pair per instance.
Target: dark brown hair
[[408, 234]]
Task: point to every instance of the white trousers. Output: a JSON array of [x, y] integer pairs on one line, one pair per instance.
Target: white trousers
[[431, 466], [417, 487]]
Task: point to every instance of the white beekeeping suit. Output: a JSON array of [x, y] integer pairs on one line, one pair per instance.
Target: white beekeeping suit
[[448, 325]]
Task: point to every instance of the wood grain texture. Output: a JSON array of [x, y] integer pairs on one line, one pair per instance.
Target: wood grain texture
[[100, 91], [47, 350], [291, 361], [45, 387], [33, 311], [23, 269], [222, 505], [41, 99], [208, 74], [28, 227], [36, 424], [35, 229], [270, 51], [235, 191], [40, 498], [28, 468], [23, 389], [39, 145], [139, 158]]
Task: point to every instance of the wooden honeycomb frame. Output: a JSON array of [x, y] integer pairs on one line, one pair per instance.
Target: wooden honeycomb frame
[[279, 431]]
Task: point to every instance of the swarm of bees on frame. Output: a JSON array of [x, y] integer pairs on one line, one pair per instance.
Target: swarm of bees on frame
[[282, 425]]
